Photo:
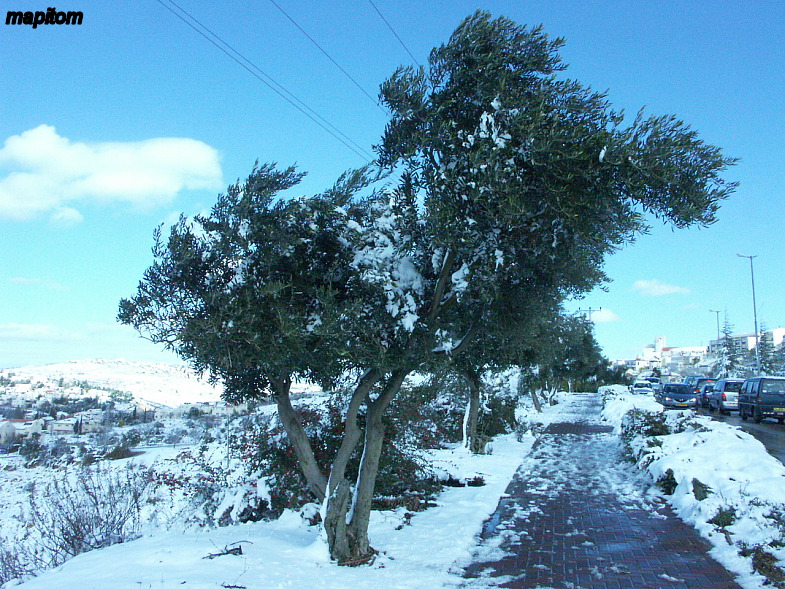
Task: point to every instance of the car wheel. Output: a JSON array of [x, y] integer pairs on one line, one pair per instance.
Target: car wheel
[[742, 414], [757, 416]]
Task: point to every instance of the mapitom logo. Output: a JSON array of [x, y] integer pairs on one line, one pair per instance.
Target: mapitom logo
[[50, 17]]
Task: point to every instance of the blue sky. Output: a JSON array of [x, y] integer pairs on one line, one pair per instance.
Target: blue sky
[[110, 128]]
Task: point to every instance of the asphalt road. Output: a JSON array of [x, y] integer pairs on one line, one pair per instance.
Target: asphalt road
[[770, 433]]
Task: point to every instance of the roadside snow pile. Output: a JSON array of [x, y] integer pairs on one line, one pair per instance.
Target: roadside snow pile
[[717, 478]]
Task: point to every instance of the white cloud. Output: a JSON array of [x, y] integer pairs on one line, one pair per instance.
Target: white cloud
[[604, 316], [655, 288], [47, 174]]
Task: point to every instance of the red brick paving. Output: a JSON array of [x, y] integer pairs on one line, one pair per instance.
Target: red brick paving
[[582, 537]]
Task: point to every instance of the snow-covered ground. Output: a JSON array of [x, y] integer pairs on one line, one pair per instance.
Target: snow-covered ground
[[429, 549]]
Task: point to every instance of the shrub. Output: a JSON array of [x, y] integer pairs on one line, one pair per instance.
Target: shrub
[[667, 482], [724, 517], [92, 508], [700, 490], [32, 450], [765, 563], [14, 563], [201, 481], [119, 452]]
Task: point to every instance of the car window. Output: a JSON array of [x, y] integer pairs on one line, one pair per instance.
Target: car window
[[733, 387], [773, 386]]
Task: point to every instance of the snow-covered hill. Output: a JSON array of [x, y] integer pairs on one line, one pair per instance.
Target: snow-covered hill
[[157, 383]]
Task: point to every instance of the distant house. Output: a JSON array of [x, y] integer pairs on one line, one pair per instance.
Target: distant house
[[11, 429], [78, 424], [62, 427], [7, 432]]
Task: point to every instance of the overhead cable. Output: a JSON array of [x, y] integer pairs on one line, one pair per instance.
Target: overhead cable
[[335, 63], [389, 26], [259, 74]]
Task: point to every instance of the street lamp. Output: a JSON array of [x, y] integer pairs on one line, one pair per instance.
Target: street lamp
[[718, 325], [754, 311]]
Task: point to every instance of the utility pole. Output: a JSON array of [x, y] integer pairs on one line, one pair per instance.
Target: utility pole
[[754, 312], [588, 311]]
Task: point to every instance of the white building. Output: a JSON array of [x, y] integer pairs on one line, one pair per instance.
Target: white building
[[745, 342]]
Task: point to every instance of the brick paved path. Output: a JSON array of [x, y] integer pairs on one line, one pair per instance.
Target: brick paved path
[[576, 516]]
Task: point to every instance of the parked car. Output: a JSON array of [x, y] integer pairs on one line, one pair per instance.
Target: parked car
[[680, 396], [642, 387], [690, 380], [703, 393], [725, 396], [762, 396], [697, 384]]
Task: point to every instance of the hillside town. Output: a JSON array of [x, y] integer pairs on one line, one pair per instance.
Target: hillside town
[[45, 407], [675, 362]]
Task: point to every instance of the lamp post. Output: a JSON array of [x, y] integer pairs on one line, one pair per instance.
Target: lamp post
[[718, 325], [754, 311]]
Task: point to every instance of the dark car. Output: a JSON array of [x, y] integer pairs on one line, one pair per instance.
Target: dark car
[[703, 395], [725, 396], [762, 396], [680, 396]]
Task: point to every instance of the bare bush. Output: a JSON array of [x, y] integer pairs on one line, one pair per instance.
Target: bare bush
[[91, 508], [15, 563]]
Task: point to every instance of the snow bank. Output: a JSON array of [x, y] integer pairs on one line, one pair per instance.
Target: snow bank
[[723, 480]]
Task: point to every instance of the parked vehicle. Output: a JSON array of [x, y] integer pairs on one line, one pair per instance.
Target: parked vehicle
[[690, 380], [680, 396], [762, 396], [642, 387], [725, 396], [702, 395]]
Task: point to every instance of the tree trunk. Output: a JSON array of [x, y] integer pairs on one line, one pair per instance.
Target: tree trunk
[[536, 400], [359, 547], [337, 503], [471, 438], [317, 482]]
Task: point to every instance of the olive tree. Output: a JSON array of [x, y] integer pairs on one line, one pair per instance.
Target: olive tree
[[512, 185]]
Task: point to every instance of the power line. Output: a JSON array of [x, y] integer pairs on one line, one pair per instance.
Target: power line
[[389, 26], [335, 63], [228, 50]]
